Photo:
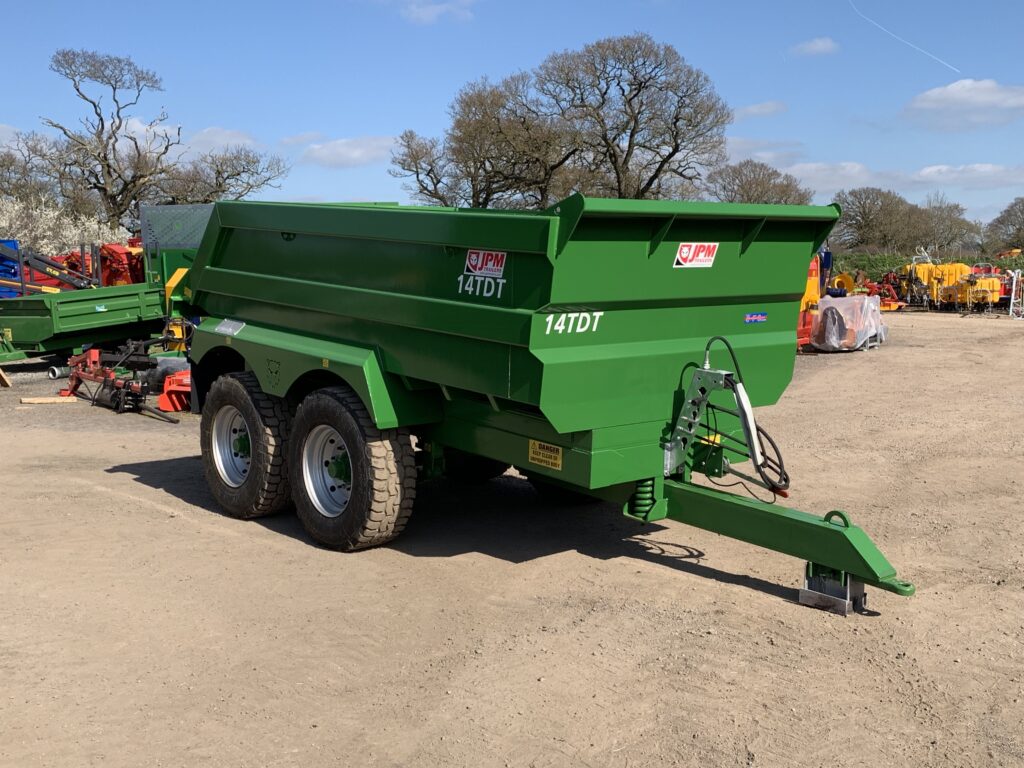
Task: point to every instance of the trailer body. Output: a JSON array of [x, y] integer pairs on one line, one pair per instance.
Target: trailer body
[[58, 322], [63, 321], [561, 342]]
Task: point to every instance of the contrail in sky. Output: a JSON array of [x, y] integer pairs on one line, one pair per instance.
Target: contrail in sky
[[905, 42]]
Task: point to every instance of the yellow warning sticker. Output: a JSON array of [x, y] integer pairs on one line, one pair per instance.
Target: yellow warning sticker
[[545, 455]]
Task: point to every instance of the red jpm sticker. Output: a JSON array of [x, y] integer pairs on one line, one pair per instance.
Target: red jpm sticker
[[486, 263], [695, 255]]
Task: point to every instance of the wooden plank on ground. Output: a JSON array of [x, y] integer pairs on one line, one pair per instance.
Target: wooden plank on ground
[[5, 380], [47, 400]]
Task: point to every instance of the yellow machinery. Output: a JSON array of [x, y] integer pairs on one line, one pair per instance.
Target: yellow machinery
[[889, 300], [937, 278], [923, 271], [945, 280], [950, 285], [809, 303], [971, 291], [845, 281]]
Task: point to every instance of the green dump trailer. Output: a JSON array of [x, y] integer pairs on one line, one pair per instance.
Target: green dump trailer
[[49, 323], [59, 322], [611, 348]]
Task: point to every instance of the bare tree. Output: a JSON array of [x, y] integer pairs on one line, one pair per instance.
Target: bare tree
[[643, 115], [111, 154], [750, 181], [1007, 229], [19, 176], [539, 146], [228, 174], [433, 177], [42, 177], [877, 219], [623, 117], [864, 209], [500, 150], [947, 226], [462, 169], [111, 161]]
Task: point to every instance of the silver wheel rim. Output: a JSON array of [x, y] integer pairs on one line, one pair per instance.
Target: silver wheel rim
[[232, 446], [327, 470]]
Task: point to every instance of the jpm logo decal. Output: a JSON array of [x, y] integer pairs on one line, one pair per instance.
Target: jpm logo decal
[[695, 255], [755, 317], [485, 263], [483, 274]]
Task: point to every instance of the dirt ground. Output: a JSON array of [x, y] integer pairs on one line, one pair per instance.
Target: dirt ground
[[140, 627]]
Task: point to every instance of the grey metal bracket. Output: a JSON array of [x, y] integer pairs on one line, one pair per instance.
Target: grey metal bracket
[[833, 591], [684, 434]]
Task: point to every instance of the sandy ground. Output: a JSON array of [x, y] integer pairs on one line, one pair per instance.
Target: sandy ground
[[138, 626]]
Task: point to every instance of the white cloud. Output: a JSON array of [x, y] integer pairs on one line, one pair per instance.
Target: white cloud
[[348, 153], [427, 12], [762, 109], [302, 138], [819, 46], [970, 176], [765, 151], [7, 134], [973, 184], [968, 103], [829, 178], [214, 138]]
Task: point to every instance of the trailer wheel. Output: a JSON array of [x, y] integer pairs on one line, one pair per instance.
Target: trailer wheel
[[470, 468], [243, 436], [353, 484]]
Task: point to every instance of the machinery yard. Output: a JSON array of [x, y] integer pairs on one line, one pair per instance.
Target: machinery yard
[[550, 396], [144, 627]]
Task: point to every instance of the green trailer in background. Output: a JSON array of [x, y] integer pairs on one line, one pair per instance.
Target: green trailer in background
[[50, 323], [59, 322], [611, 348]]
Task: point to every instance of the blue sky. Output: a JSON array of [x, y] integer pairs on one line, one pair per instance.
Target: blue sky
[[818, 90]]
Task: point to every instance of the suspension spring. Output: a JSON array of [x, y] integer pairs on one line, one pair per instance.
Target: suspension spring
[[642, 501]]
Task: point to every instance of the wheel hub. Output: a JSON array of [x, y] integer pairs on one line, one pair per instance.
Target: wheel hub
[[240, 444], [232, 446], [327, 470]]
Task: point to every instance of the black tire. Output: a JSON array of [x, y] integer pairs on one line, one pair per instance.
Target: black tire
[[264, 489], [470, 468], [381, 472]]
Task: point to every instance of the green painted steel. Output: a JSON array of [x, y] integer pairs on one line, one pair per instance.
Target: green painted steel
[[52, 322], [8, 352], [559, 341], [830, 540], [395, 280], [60, 322]]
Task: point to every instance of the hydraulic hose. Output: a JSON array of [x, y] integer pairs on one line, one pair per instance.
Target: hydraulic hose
[[732, 354], [780, 483], [774, 464]]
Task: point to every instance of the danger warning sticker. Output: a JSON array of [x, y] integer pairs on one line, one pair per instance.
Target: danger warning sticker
[[486, 263], [545, 455], [695, 255]]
